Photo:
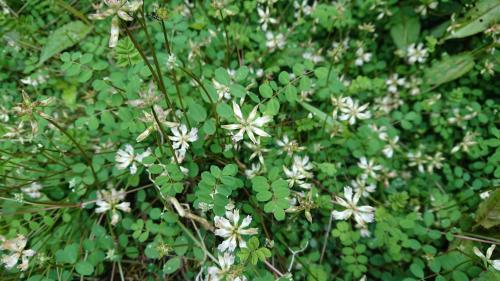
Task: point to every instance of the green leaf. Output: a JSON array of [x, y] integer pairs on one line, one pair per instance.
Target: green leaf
[[459, 276], [84, 268], [272, 107], [480, 16], [126, 54], [224, 110], [69, 254], [450, 68], [405, 29], [172, 265], [222, 76], [265, 90], [209, 126], [197, 112], [63, 38], [417, 270]]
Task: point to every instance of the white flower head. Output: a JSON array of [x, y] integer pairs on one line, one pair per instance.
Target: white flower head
[[362, 187], [265, 17], [225, 270], [231, 229], [110, 200], [277, 41], [416, 53], [253, 171], [362, 57], [222, 90], [257, 150], [119, 9], [127, 158], [362, 214], [16, 247], [393, 82], [288, 146], [353, 111], [369, 167], [33, 190], [487, 258], [182, 137], [250, 125]]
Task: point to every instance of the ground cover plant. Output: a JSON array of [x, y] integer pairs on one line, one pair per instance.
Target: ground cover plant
[[249, 140]]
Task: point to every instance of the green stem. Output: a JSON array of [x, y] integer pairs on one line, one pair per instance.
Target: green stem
[[228, 51], [85, 155], [164, 135], [174, 75]]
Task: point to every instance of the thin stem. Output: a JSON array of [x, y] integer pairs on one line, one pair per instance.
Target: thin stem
[[325, 240], [150, 67], [174, 75], [85, 155], [164, 135], [228, 51]]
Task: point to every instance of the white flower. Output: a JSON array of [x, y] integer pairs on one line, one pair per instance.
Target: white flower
[[484, 195], [265, 18], [362, 214], [111, 200], [417, 159], [369, 168], [362, 57], [171, 61], [295, 176], [467, 142], [275, 41], [232, 230], [416, 53], [303, 8], [251, 125], [119, 9], [288, 146], [150, 119], [360, 186], [33, 190], [16, 246], [339, 103], [253, 171], [147, 98], [487, 258], [353, 111], [302, 164], [435, 161], [389, 148], [489, 67], [414, 85], [422, 9], [182, 137], [314, 57], [126, 157], [40, 79], [380, 131], [393, 82], [257, 150], [222, 90], [224, 270]]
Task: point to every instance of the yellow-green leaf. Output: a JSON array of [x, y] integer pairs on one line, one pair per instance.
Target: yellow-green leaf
[[480, 17], [449, 68], [63, 38]]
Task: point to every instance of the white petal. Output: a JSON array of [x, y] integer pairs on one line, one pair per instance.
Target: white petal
[[342, 215], [237, 111], [115, 31]]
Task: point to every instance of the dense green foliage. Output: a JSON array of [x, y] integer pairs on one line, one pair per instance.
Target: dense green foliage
[[249, 140]]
